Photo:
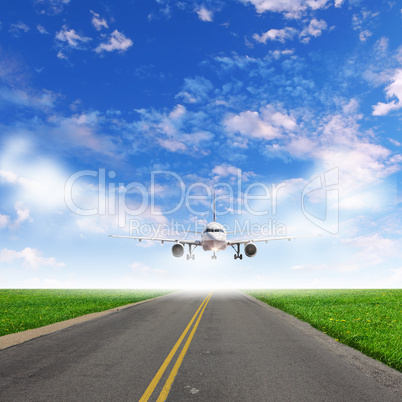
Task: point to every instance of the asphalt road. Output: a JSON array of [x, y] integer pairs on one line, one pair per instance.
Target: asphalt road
[[234, 350]]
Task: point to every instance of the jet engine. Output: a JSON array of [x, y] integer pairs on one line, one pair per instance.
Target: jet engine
[[178, 250], [250, 249]]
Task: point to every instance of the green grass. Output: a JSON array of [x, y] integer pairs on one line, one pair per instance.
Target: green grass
[[367, 320], [22, 309]]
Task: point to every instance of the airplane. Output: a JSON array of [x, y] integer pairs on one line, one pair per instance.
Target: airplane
[[213, 238]]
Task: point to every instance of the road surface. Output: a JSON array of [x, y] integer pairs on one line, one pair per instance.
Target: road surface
[[187, 347]]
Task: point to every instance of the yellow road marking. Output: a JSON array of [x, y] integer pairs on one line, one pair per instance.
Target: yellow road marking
[[169, 382], [148, 392]]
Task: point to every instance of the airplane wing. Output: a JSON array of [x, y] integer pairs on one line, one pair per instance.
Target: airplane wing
[[162, 240], [267, 239]]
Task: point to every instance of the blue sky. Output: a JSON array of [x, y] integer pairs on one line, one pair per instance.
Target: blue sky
[[113, 112]]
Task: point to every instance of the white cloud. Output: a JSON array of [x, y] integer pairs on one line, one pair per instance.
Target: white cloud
[[195, 90], [317, 4], [35, 182], [22, 213], [81, 130], [226, 170], [280, 35], [315, 29], [51, 7], [4, 220], [276, 54], [393, 90], [18, 28], [31, 257], [351, 107], [276, 5], [8, 176], [45, 188], [28, 97], [381, 46], [138, 266], [42, 30], [117, 41], [395, 142], [98, 22], [177, 131], [279, 119], [185, 141], [298, 146], [246, 63], [362, 22], [177, 112], [250, 124], [290, 8], [204, 14], [268, 124], [172, 145], [364, 35], [363, 164], [61, 55], [343, 145], [72, 38], [374, 249]]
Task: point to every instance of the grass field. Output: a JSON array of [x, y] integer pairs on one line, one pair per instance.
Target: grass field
[[32, 308], [367, 320]]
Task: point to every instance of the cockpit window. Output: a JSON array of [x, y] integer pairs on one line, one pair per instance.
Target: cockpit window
[[214, 230]]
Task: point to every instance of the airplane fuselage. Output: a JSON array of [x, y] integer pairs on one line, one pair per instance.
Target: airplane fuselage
[[213, 237]]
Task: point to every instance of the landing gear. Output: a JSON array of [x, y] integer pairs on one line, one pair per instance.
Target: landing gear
[[214, 256], [190, 255], [237, 249]]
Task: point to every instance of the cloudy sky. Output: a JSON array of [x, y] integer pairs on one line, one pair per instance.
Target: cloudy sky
[[119, 117]]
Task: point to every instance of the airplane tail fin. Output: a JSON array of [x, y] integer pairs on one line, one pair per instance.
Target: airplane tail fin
[[214, 209]]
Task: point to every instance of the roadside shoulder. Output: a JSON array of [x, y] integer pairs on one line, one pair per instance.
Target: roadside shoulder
[[7, 341], [386, 376]]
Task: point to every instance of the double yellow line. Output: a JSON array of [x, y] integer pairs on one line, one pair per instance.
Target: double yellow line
[[169, 382]]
